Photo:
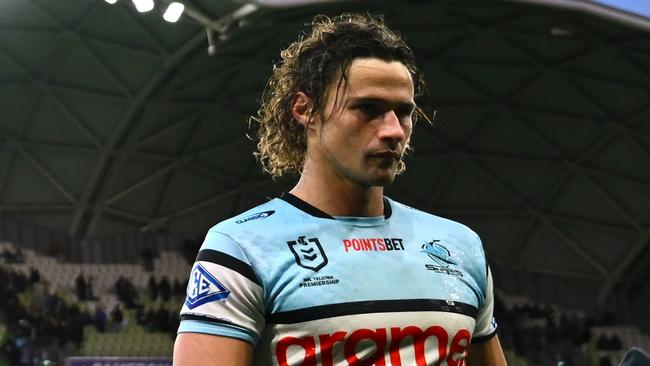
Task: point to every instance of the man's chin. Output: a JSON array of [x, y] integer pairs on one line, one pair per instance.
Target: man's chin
[[381, 180]]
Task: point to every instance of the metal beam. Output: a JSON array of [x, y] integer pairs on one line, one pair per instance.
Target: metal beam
[[619, 273], [181, 160], [96, 190], [44, 172], [105, 160], [29, 207], [200, 204], [559, 273], [599, 10], [543, 219]]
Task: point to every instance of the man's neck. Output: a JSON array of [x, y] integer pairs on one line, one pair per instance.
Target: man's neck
[[339, 197]]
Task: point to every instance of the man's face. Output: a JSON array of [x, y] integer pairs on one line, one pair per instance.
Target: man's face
[[361, 134]]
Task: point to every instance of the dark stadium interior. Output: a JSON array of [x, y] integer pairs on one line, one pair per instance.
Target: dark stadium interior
[[122, 141]]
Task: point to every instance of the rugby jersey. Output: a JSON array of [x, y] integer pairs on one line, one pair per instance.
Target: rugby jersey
[[306, 288]]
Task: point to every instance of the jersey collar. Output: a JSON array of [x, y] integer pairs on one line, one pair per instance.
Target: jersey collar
[[314, 211]]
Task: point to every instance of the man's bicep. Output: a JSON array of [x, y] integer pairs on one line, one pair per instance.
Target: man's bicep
[[488, 353], [206, 349]]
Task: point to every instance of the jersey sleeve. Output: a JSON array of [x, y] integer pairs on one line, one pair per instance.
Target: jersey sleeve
[[224, 296], [486, 326]]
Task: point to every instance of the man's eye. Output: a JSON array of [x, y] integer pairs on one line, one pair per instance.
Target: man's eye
[[404, 112], [370, 110]]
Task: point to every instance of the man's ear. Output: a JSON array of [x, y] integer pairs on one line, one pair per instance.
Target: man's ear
[[301, 106]]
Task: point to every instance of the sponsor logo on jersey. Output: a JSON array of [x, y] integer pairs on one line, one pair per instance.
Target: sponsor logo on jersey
[[308, 253], [203, 287], [441, 257], [255, 216], [373, 244], [319, 281], [384, 342]]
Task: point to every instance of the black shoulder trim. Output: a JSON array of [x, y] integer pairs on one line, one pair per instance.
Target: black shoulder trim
[[388, 211], [484, 338], [206, 319], [226, 260], [304, 206], [368, 307], [315, 211]]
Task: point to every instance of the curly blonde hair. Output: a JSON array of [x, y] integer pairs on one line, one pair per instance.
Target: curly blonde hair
[[309, 65]]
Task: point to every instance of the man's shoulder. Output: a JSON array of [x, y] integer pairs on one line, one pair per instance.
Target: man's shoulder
[[263, 217], [250, 217], [413, 214]]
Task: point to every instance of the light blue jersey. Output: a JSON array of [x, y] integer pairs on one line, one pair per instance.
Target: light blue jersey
[[305, 288]]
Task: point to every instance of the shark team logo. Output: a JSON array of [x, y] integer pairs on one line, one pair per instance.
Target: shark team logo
[[441, 257], [308, 253], [203, 288]]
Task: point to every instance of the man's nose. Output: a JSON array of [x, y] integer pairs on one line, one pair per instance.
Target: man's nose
[[392, 129]]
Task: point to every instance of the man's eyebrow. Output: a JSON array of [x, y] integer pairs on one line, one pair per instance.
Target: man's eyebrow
[[356, 100]]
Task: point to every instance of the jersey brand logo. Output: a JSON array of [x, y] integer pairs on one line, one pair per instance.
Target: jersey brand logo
[[441, 257], [204, 287], [308, 253], [255, 216]]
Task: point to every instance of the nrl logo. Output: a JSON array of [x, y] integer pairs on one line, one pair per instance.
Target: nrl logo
[[308, 253]]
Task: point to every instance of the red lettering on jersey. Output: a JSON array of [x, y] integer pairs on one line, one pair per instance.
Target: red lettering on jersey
[[373, 244], [327, 342], [419, 337], [455, 356], [378, 337], [347, 244], [307, 344], [458, 348]]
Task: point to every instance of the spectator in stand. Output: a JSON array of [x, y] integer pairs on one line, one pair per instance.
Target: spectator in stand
[[100, 319], [18, 256], [89, 289], [165, 288], [80, 287], [152, 286], [177, 288], [34, 276], [117, 317], [162, 319], [147, 259], [190, 248], [605, 361], [127, 293]]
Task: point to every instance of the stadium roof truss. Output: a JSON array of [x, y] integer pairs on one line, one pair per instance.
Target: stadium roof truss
[[115, 122]]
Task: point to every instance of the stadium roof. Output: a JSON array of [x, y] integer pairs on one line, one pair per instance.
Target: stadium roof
[[115, 121], [639, 7]]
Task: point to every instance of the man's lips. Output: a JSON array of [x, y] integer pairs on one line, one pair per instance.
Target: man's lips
[[387, 155]]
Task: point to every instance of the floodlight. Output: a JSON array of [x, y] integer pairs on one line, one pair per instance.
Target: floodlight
[[111, 1], [143, 6], [173, 12]]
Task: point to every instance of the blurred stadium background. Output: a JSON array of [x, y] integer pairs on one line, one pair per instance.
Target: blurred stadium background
[[122, 140]]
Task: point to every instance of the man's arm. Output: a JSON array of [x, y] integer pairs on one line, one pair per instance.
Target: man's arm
[[488, 353], [193, 349]]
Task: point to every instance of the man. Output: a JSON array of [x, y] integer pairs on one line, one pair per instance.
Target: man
[[334, 273]]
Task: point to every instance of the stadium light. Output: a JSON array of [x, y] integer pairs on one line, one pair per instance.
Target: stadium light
[[143, 6], [111, 1], [173, 12]]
